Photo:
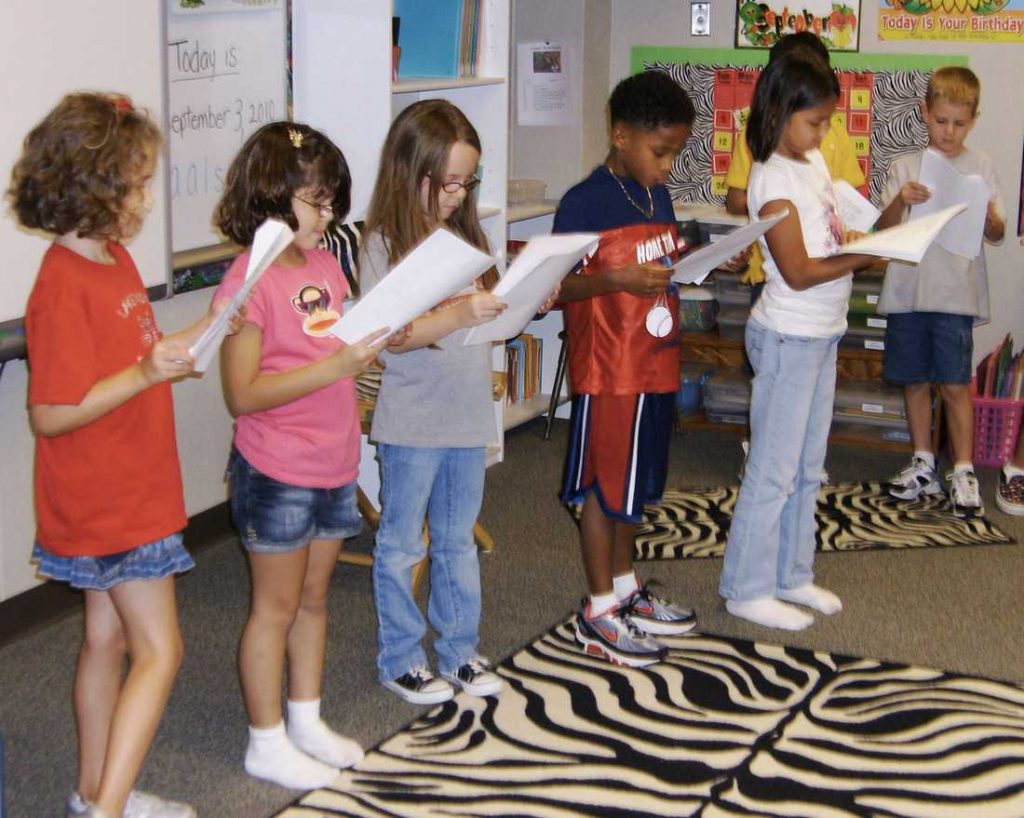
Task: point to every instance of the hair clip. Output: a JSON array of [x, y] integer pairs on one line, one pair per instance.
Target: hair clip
[[122, 104], [296, 137]]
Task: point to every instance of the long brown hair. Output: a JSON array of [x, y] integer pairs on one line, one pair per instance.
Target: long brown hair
[[80, 163], [417, 147]]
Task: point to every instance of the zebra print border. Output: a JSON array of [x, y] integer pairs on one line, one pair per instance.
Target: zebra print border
[[850, 517], [723, 728]]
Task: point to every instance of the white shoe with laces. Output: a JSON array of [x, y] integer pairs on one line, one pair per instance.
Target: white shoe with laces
[[915, 479], [476, 678], [964, 495]]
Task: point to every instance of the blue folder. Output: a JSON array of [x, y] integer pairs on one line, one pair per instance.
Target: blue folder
[[429, 37]]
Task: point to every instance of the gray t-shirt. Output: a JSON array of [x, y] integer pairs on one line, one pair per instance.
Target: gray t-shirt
[[430, 397], [942, 281]]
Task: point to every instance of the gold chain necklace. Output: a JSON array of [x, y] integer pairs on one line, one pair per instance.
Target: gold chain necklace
[[647, 214]]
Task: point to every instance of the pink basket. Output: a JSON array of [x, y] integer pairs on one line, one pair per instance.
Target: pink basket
[[996, 425]]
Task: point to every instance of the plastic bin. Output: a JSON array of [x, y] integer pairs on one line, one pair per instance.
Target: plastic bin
[[865, 292], [727, 397], [729, 289], [867, 338], [996, 426], [692, 377], [872, 399], [732, 323]]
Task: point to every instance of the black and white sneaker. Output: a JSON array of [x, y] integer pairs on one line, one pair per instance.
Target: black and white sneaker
[[476, 678], [964, 496], [915, 479], [420, 686]]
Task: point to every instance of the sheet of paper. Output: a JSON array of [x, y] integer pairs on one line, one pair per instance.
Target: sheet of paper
[[905, 242], [545, 95], [437, 268], [694, 267], [271, 238], [964, 234], [530, 280], [855, 212]]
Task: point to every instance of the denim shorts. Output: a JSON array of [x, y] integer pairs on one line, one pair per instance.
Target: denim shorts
[[275, 517], [154, 560], [928, 347]]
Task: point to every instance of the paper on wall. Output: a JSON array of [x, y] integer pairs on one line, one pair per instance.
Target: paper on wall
[[855, 212], [904, 242], [530, 280], [694, 267], [271, 238], [437, 268], [964, 234]]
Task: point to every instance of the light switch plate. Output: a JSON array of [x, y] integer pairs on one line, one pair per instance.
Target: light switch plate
[[700, 19]]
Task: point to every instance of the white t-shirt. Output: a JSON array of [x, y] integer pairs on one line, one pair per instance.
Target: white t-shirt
[[818, 311]]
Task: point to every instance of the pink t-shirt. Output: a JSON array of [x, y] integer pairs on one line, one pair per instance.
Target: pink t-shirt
[[313, 441]]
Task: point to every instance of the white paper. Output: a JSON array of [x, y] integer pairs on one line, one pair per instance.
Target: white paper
[[694, 267], [905, 242], [531, 279], [271, 238], [855, 212], [544, 96], [964, 234], [437, 268]]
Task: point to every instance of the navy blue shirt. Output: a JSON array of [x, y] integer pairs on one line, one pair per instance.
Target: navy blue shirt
[[597, 204]]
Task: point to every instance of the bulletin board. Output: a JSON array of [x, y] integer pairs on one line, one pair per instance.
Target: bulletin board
[[879, 104]]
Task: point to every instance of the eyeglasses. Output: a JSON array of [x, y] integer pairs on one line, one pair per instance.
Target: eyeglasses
[[326, 211], [454, 187]]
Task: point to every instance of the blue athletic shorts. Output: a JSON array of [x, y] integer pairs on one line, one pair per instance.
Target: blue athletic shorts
[[275, 517], [928, 347], [154, 560]]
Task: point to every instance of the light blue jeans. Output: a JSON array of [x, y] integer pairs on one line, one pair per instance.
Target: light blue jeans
[[445, 487], [771, 540]]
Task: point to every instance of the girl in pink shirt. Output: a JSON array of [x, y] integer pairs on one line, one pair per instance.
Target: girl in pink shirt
[[288, 383]]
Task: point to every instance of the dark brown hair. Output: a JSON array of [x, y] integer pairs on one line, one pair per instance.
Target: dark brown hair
[[417, 147], [80, 164], [275, 162]]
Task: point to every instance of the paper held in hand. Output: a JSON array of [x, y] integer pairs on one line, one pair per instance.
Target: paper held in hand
[[271, 238], [964, 235], [530, 280], [437, 268], [905, 242], [694, 267]]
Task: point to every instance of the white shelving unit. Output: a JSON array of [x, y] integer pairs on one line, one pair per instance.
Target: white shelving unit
[[342, 84]]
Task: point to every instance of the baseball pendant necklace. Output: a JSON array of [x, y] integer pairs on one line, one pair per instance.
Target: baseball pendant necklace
[[646, 213]]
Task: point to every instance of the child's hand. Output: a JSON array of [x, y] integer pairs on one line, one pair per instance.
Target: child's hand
[[235, 321], [913, 193], [643, 280], [995, 227], [354, 358], [551, 300], [852, 235], [737, 262], [168, 358], [480, 308], [399, 337]]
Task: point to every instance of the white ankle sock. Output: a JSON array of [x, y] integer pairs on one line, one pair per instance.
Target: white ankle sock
[[962, 467], [272, 756], [771, 613], [624, 585], [309, 733], [601, 604], [813, 596], [927, 457], [1012, 471]]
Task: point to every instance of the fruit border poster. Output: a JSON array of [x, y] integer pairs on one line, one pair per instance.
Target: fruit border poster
[[976, 21], [762, 24]]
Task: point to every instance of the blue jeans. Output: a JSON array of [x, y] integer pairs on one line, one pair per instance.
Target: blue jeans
[[771, 540], [446, 487]]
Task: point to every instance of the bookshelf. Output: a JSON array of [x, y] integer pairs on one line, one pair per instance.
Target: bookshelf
[[343, 85]]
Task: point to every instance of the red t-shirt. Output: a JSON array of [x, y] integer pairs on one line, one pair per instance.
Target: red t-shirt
[[115, 483], [610, 350]]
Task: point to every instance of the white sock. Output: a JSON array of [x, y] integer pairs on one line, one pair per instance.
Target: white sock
[[927, 457], [309, 733], [272, 756], [768, 611], [959, 468], [601, 604], [1011, 470], [813, 596], [624, 585]]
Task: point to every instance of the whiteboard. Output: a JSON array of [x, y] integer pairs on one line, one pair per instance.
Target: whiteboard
[[49, 50], [227, 75]]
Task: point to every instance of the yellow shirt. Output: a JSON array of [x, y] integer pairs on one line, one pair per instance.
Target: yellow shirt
[[840, 159]]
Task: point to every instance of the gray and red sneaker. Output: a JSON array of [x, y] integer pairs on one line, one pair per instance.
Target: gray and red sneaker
[[658, 616], [613, 636]]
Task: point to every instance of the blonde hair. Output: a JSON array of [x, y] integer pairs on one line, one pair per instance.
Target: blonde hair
[[417, 147], [955, 85]]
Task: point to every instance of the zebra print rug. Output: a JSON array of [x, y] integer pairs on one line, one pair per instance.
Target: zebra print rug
[[721, 729], [850, 516]]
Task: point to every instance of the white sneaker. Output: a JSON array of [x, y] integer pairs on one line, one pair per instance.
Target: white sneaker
[[145, 805], [914, 480], [420, 686], [476, 678], [964, 495]]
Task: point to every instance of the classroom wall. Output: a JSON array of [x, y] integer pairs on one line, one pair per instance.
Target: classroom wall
[[999, 132]]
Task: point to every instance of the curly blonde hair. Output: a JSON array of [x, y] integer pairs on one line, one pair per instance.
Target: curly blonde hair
[[79, 165]]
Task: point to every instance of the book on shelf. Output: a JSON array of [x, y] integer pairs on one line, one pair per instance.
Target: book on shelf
[[438, 38], [524, 364], [1000, 374]]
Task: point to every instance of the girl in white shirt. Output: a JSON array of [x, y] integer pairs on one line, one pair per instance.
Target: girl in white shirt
[[791, 341]]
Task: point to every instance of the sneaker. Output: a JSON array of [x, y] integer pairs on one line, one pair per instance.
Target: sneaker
[[476, 678], [76, 806], [1010, 496], [916, 479], [614, 637], [654, 615], [420, 686], [145, 805], [964, 495]]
